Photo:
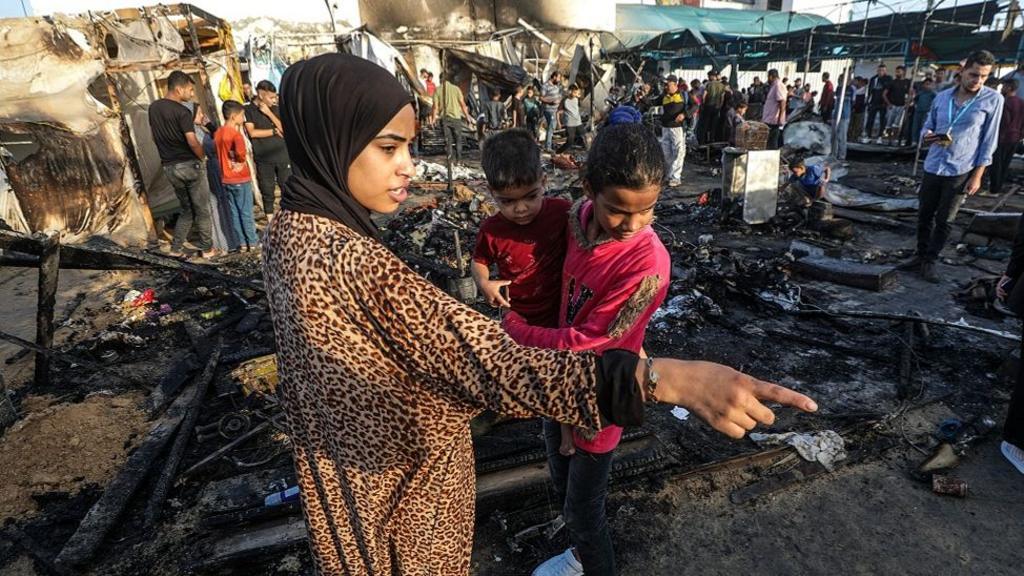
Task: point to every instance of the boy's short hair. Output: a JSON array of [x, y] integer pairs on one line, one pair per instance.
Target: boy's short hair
[[266, 86], [796, 164], [626, 155], [1011, 84], [741, 105], [511, 159], [230, 108]]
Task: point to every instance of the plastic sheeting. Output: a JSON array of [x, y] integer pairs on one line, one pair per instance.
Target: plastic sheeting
[[74, 177], [637, 25], [135, 41], [842, 195]]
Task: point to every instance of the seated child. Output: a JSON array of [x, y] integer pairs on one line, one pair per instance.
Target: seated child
[[525, 239], [616, 275], [811, 181], [734, 119]]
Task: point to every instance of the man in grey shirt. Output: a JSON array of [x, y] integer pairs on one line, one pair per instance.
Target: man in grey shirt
[[551, 97]]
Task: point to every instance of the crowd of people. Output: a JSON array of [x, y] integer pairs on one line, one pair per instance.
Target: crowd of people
[[208, 165]]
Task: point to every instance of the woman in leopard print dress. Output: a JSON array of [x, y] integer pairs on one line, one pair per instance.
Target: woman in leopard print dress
[[380, 372]]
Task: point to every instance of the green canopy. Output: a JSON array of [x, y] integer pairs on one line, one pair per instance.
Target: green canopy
[[640, 26]]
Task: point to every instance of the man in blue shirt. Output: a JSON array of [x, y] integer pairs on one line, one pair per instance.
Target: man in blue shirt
[[961, 132], [923, 99]]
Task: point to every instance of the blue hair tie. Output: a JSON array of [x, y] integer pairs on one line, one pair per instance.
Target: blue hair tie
[[625, 115]]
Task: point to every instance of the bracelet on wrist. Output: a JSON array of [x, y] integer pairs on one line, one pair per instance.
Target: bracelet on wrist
[[652, 381]]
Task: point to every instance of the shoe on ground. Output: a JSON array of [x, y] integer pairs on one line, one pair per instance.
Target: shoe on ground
[[914, 263], [928, 272], [565, 564], [675, 183], [1012, 452]]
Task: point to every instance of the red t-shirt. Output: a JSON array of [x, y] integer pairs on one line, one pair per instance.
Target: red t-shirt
[[609, 292], [531, 256], [231, 155]]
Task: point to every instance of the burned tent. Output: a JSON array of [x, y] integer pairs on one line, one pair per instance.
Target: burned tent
[[496, 74], [75, 144]]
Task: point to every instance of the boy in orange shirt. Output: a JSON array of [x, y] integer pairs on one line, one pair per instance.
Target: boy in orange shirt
[[235, 175]]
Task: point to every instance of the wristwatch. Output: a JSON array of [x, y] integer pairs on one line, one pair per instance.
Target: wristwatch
[[652, 381]]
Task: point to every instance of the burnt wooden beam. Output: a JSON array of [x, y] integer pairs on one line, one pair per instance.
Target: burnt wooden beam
[[113, 257], [248, 545], [997, 225], [872, 315], [173, 459], [855, 274], [107, 510], [49, 277], [864, 218]]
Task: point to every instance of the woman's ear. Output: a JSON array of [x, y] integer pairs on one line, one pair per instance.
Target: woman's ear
[[587, 191]]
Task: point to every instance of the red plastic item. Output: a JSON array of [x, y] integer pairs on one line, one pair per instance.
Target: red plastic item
[[147, 297]]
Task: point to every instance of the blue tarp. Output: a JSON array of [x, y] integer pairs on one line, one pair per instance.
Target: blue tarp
[[640, 26]]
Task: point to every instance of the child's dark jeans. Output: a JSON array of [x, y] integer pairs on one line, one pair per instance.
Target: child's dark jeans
[[581, 487]]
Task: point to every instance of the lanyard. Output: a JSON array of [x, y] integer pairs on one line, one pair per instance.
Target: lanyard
[[963, 110]]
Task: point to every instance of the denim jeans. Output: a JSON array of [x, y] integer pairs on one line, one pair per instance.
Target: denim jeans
[[940, 200], [195, 206], [581, 487], [549, 119], [239, 200], [269, 174]]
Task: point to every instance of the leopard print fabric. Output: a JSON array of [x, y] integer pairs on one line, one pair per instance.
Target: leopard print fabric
[[380, 373]]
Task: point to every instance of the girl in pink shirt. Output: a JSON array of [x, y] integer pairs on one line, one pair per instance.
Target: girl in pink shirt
[[616, 275]]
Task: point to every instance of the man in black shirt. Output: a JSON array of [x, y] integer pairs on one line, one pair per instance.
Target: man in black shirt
[[262, 122], [877, 104], [181, 156], [896, 96]]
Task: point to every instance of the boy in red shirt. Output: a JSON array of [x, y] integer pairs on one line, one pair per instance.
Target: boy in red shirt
[[616, 275], [235, 176], [526, 239]]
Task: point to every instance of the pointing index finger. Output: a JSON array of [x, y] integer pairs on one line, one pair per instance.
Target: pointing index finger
[[774, 393]]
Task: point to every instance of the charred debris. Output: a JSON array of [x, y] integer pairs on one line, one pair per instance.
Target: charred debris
[[205, 483]]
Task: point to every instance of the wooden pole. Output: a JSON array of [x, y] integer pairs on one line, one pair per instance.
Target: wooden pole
[[49, 274], [173, 459], [444, 131]]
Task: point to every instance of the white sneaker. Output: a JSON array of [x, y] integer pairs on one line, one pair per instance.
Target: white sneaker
[[565, 564], [1014, 454]]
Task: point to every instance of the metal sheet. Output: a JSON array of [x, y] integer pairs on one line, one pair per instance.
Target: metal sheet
[[754, 177]]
